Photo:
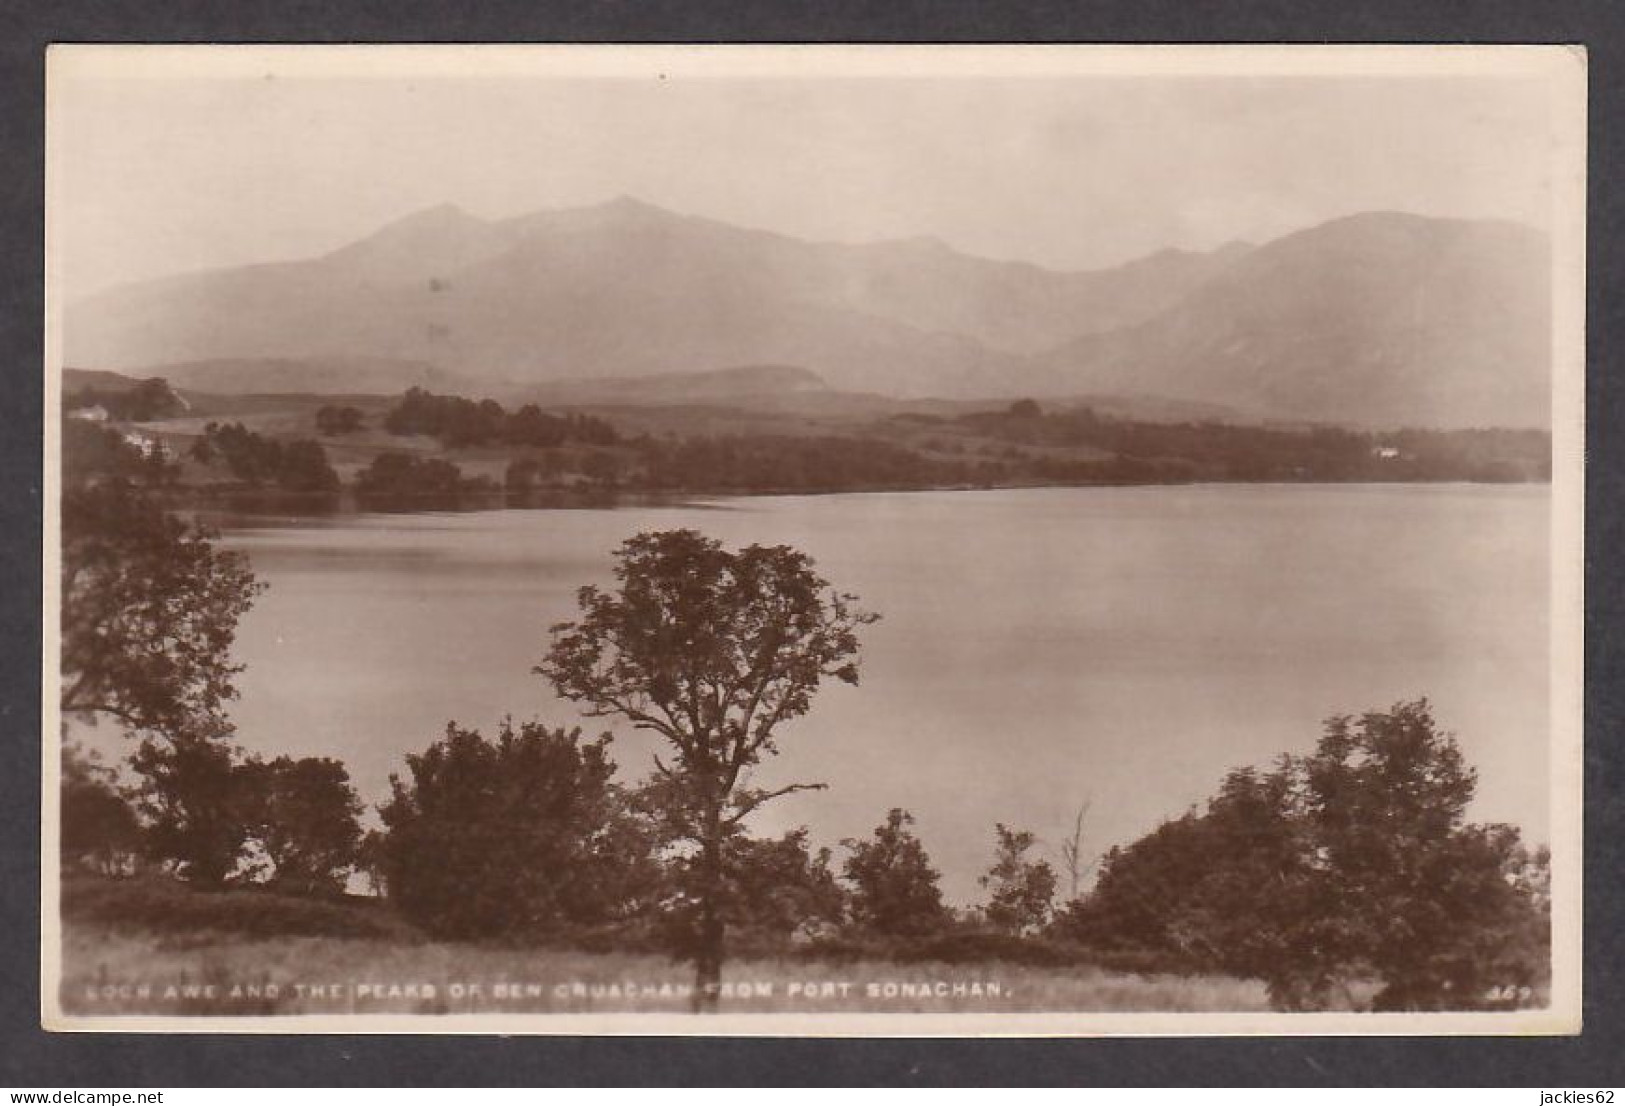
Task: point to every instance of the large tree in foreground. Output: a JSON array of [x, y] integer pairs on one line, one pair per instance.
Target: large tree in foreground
[[714, 651]]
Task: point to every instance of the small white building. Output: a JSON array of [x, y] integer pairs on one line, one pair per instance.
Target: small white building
[[143, 441], [95, 413]]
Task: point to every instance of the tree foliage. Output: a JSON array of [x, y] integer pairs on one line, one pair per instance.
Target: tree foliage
[[712, 650], [304, 815], [1353, 862], [782, 887], [149, 613], [297, 465], [145, 400], [193, 800], [1164, 450], [92, 452], [458, 422], [100, 830], [1430, 901], [335, 420], [520, 836], [402, 475], [894, 886], [1020, 890], [772, 892]]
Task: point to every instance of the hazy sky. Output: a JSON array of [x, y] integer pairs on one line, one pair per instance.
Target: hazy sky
[[168, 173]]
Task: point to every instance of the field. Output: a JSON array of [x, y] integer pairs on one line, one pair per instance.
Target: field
[[177, 953]]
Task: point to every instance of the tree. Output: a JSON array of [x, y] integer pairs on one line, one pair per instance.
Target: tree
[[894, 887], [1229, 890], [1353, 862], [782, 887], [250, 457], [92, 453], [141, 402], [517, 837], [600, 465], [1427, 900], [193, 799], [149, 613], [99, 828], [713, 651], [305, 817], [773, 889], [151, 399], [202, 450], [298, 465], [1022, 890], [1072, 853], [401, 474], [334, 421], [304, 468]]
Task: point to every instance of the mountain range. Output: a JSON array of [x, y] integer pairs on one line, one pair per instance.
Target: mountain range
[[1377, 318]]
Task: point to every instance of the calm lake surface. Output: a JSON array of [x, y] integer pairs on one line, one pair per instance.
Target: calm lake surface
[[1038, 648]]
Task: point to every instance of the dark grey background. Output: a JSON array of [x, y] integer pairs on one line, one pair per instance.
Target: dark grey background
[[31, 1059]]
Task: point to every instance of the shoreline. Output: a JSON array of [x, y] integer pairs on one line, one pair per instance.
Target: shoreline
[[251, 502]]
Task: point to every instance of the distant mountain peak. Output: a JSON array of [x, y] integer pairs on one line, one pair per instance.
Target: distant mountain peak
[[926, 242], [624, 208], [626, 202], [1410, 222], [428, 231], [444, 210], [445, 214]]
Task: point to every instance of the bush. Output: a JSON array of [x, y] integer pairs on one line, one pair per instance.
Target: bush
[[523, 836], [980, 946], [304, 816], [402, 475]]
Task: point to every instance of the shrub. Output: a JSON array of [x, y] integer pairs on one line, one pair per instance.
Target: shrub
[[523, 836]]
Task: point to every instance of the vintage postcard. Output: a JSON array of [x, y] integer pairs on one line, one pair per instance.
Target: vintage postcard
[[814, 540]]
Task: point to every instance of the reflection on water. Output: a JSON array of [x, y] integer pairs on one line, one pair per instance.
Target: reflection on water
[[1037, 648]]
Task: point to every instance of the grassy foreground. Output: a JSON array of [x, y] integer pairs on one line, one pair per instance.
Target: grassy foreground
[[154, 948], [112, 972]]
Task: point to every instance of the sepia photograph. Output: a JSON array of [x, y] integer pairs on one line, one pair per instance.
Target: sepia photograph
[[813, 540]]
